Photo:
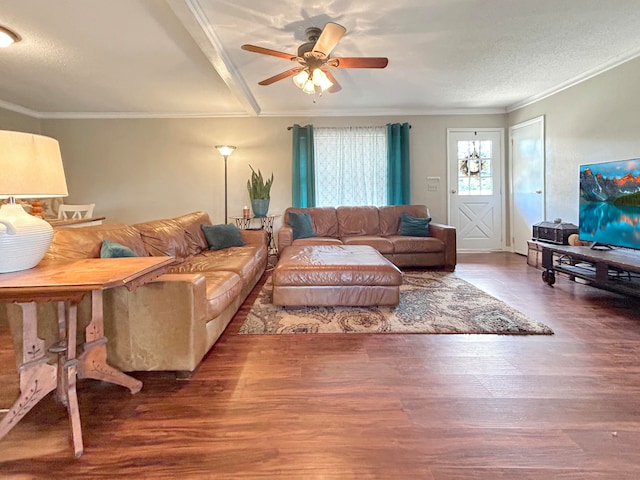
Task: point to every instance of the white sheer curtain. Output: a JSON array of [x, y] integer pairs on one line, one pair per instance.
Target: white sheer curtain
[[351, 166]]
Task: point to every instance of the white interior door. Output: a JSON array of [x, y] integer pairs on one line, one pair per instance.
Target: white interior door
[[526, 164], [476, 162]]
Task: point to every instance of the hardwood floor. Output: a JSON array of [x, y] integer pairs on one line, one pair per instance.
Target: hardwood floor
[[370, 406]]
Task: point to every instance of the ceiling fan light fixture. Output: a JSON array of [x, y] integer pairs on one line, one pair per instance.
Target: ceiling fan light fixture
[[321, 80], [8, 37], [301, 78], [309, 87], [312, 74]]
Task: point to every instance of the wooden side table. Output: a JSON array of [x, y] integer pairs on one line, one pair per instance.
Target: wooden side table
[[66, 284]]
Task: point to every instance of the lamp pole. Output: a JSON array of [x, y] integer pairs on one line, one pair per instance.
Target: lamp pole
[[225, 151], [226, 217]]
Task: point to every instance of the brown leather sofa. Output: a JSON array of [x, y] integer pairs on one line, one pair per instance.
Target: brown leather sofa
[[173, 321], [379, 228]]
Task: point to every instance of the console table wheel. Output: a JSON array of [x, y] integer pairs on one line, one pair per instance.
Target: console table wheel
[[548, 277]]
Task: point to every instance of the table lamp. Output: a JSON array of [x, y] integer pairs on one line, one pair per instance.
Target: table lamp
[[31, 167]]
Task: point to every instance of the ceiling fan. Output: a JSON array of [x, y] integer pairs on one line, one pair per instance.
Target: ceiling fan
[[313, 72]]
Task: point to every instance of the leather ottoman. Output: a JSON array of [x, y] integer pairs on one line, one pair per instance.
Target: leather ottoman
[[332, 275]]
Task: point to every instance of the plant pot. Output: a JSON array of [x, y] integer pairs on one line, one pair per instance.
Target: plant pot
[[260, 207]]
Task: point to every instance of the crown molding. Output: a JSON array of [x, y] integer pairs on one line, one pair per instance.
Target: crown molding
[[135, 115], [594, 72], [19, 109], [316, 112]]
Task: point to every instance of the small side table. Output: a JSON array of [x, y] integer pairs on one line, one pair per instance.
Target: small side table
[[66, 284], [266, 223]]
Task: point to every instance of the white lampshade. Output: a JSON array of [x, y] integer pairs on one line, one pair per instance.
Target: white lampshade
[[301, 78], [31, 167], [225, 150], [309, 87], [320, 79]]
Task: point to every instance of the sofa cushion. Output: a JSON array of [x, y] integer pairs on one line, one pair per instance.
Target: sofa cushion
[[402, 244], [323, 219], [222, 236], [381, 244], [358, 221], [86, 242], [317, 241], [301, 225], [111, 249], [246, 261], [194, 236], [414, 226], [223, 287], [390, 216], [164, 237]]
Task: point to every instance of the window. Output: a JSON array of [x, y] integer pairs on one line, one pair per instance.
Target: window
[[474, 168], [350, 166]]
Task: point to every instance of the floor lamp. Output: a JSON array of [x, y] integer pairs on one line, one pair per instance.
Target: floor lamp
[[225, 151]]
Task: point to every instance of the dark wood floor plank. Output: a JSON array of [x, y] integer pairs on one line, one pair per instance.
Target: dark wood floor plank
[[337, 406]]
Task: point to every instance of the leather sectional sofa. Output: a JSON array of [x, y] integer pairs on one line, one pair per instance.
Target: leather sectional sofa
[[378, 227], [172, 322]]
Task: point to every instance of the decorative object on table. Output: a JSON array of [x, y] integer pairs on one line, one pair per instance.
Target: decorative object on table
[[37, 209], [554, 232], [225, 151], [430, 302], [259, 192], [246, 213], [31, 167]]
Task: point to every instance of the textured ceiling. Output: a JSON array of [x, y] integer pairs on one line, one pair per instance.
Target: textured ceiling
[[128, 58]]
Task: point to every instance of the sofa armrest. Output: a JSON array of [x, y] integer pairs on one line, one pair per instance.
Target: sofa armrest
[[254, 237], [158, 326], [447, 234], [285, 237]]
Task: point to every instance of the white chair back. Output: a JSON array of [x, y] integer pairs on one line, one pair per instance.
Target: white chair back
[[75, 212]]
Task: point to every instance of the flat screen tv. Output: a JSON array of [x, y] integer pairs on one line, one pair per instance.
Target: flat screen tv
[[610, 203]]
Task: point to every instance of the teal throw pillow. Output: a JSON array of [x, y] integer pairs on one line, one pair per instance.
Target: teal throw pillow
[[414, 226], [111, 249], [301, 225], [222, 236]]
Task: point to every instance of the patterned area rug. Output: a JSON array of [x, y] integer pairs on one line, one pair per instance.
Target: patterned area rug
[[430, 302]]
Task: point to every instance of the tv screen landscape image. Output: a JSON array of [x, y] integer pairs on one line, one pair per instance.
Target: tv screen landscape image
[[610, 203]]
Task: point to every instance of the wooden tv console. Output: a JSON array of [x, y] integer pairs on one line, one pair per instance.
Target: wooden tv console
[[617, 270]]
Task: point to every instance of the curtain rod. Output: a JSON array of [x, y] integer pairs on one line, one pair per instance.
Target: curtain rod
[[291, 127]]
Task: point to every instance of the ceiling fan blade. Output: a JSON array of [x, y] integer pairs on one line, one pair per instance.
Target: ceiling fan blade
[[268, 51], [329, 38], [359, 62], [336, 86], [289, 73]]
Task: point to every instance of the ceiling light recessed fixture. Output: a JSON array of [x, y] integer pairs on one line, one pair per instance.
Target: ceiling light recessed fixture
[[8, 37]]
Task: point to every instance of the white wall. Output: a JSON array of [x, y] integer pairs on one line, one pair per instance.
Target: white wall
[[594, 121], [136, 170], [141, 169], [18, 122]]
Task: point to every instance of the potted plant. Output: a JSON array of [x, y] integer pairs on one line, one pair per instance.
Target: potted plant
[[259, 192]]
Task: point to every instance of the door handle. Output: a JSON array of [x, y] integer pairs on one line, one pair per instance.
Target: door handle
[[453, 191], [538, 191]]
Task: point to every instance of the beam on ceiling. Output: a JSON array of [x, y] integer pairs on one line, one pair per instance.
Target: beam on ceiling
[[192, 16]]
